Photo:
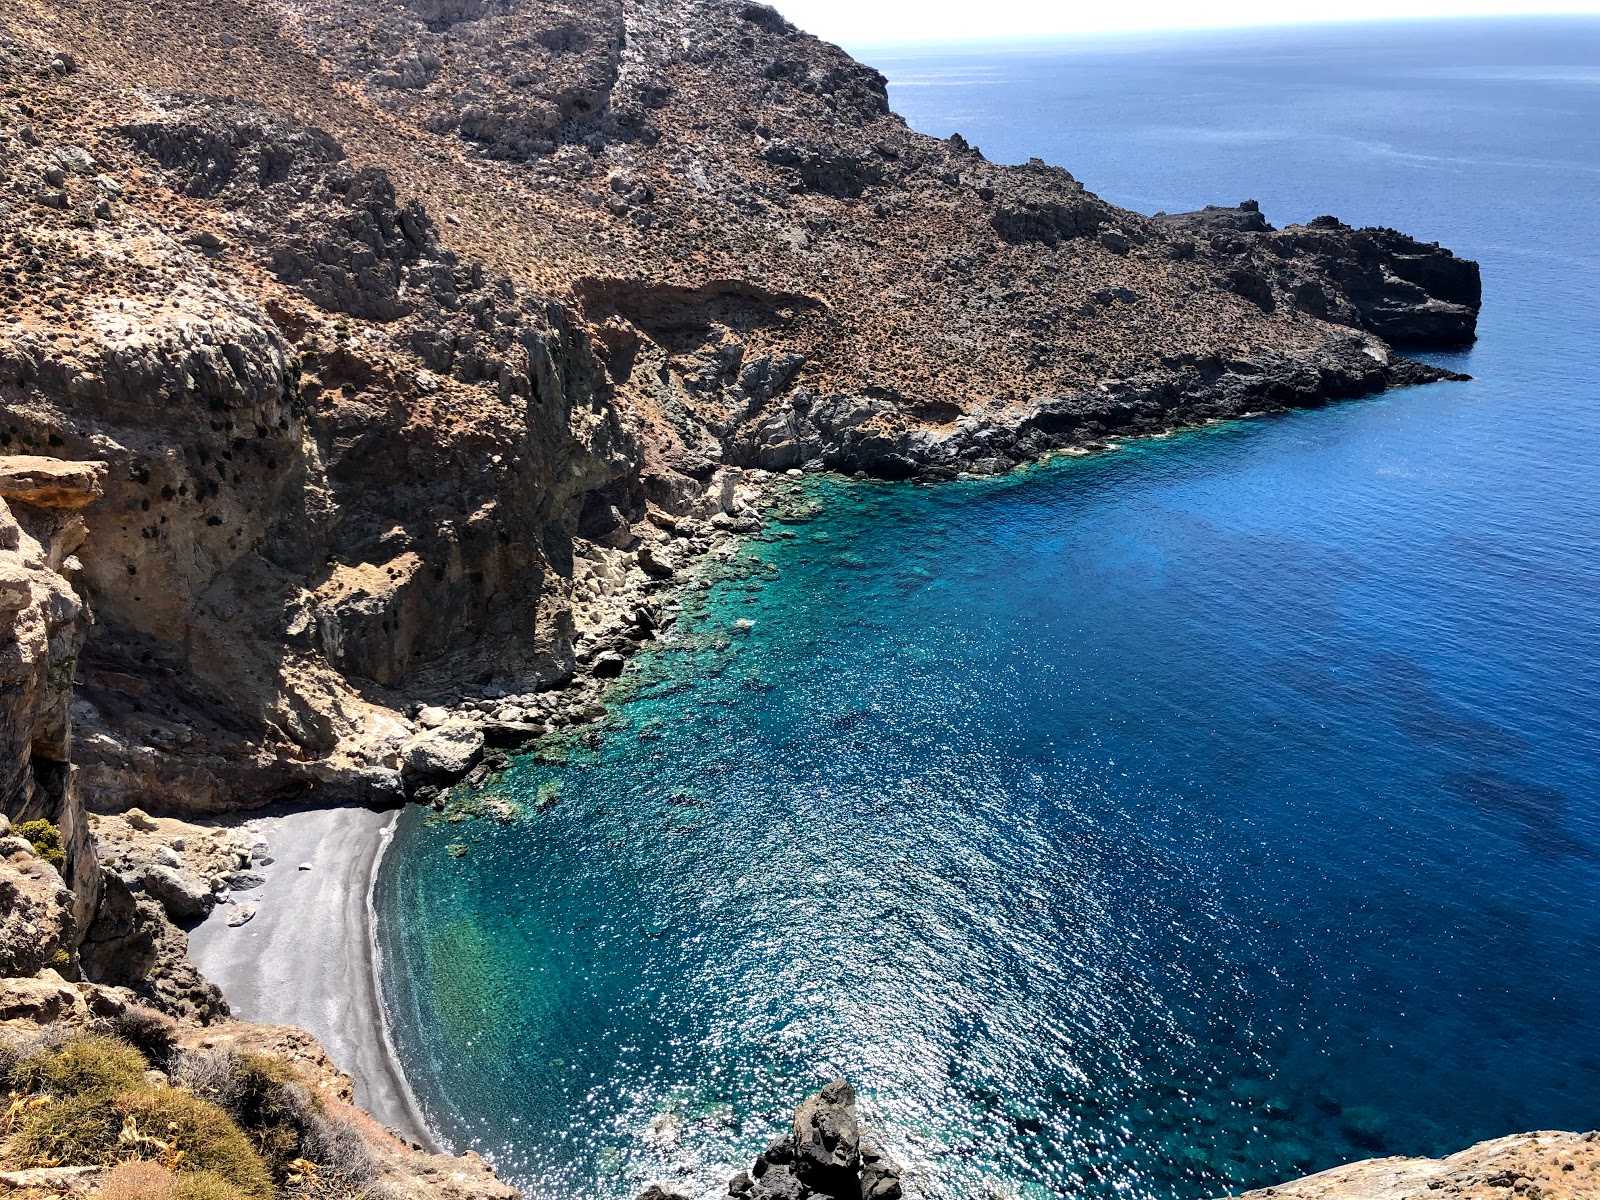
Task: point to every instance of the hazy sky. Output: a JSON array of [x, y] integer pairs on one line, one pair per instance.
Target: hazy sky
[[857, 22]]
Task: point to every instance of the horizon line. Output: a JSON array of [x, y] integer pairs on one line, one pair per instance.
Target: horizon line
[[1058, 37]]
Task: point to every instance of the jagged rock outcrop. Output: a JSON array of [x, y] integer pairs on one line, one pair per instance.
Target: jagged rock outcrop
[[825, 1156], [43, 622], [37, 927], [1380, 280]]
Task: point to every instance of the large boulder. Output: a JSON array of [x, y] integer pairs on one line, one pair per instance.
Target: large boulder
[[827, 1139], [823, 1157], [184, 897], [36, 923], [443, 754]]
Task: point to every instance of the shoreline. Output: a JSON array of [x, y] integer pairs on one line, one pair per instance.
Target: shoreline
[[420, 1131], [309, 957]]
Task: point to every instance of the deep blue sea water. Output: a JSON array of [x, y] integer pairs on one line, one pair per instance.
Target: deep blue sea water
[[1146, 825]]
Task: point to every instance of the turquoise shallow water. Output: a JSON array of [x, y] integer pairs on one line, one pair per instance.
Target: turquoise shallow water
[[1144, 825]]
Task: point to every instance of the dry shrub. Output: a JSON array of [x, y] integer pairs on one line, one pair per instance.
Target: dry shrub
[[17, 1047], [86, 1064], [72, 1131], [138, 1181], [206, 1185], [210, 1074], [152, 1034], [285, 1121]]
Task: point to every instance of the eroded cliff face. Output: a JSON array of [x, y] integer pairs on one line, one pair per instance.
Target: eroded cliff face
[[43, 622], [343, 465]]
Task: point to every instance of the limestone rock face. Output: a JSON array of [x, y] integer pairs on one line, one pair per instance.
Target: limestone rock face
[[36, 916], [42, 482], [344, 464], [1538, 1166]]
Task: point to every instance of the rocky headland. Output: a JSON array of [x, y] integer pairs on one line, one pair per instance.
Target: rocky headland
[[370, 373]]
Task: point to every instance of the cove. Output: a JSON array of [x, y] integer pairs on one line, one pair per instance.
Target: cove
[[1173, 820]]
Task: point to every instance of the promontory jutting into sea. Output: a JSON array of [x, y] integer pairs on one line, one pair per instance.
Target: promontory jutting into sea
[[615, 601]]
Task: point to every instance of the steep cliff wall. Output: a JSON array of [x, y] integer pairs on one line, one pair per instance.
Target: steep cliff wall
[[43, 621]]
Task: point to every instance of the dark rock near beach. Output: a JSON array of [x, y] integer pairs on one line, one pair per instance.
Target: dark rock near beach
[[510, 734], [827, 1140], [184, 897]]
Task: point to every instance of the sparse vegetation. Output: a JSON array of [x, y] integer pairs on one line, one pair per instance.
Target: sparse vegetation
[[46, 841], [231, 1126], [153, 1034], [177, 1123]]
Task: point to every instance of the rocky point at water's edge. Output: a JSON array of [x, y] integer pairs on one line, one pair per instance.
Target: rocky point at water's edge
[[355, 431]]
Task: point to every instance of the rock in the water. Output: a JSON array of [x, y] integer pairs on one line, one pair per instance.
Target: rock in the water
[[827, 1139], [609, 665], [825, 1157], [184, 897]]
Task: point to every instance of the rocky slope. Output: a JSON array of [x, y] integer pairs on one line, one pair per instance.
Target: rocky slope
[[411, 331], [1532, 1166]]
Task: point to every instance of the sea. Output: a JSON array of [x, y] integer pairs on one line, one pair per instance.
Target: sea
[[1151, 825]]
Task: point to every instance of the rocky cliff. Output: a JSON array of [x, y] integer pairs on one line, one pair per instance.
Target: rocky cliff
[[43, 622], [408, 331]]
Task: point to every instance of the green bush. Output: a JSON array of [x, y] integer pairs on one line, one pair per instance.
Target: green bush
[[208, 1139], [46, 839], [160, 1123], [72, 1131], [87, 1064]]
